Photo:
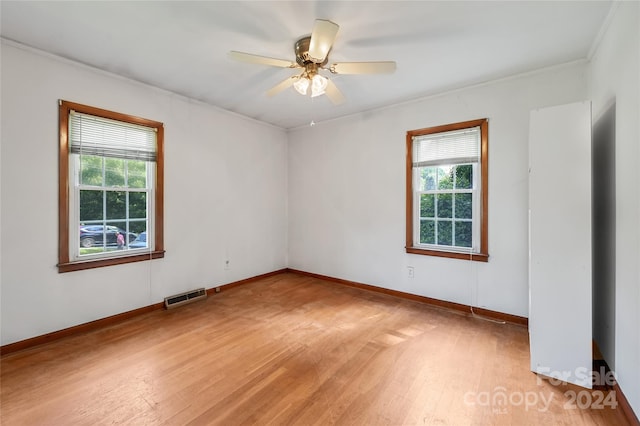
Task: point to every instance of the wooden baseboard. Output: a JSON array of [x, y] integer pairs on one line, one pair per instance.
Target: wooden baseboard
[[493, 315], [77, 329], [224, 287], [105, 322]]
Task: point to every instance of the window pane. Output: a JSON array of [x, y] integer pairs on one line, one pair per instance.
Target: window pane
[[138, 227], [463, 234], [463, 206], [92, 239], [137, 205], [427, 232], [90, 170], [444, 205], [137, 174], [114, 171], [91, 205], [445, 177], [113, 229], [116, 228], [116, 204], [430, 175], [427, 207], [445, 237], [140, 241], [464, 176]]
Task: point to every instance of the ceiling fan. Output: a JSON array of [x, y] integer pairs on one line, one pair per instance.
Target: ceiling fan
[[312, 56]]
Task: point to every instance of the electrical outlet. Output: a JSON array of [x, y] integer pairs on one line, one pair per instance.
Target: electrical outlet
[[227, 264], [410, 271]]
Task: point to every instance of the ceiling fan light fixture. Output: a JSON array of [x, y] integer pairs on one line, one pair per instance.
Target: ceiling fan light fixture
[[301, 85], [318, 85]]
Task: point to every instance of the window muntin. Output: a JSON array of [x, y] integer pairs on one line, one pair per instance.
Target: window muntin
[[111, 181], [447, 190]]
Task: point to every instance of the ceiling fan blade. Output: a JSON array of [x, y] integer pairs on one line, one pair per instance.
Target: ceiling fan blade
[[387, 67], [262, 60], [285, 84], [333, 93], [322, 38]]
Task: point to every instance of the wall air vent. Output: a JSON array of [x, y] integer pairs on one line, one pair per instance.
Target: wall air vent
[[184, 298]]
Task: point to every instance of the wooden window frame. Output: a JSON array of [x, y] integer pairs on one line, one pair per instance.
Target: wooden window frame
[[483, 254], [64, 262]]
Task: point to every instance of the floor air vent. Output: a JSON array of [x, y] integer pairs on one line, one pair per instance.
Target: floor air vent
[[184, 298]]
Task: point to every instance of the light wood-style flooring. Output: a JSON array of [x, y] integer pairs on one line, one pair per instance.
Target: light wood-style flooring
[[291, 349]]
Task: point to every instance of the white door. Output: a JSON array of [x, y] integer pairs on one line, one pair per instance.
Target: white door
[[560, 331]]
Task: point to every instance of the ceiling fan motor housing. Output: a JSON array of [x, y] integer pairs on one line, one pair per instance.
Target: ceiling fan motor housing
[[301, 48]]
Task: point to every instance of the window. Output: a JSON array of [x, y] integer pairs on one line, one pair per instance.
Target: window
[[110, 189], [447, 169]]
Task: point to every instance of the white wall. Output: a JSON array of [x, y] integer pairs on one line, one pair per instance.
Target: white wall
[[225, 195], [614, 77], [347, 192]]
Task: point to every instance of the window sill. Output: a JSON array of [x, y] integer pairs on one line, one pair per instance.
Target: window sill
[[90, 264], [479, 257]]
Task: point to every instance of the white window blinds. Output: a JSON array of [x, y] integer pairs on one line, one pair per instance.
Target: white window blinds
[[454, 147], [91, 135]]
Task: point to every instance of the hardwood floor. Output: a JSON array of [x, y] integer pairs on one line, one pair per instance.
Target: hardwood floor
[[292, 349]]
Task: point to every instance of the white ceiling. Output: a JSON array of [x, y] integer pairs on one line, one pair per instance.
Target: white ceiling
[[182, 46]]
